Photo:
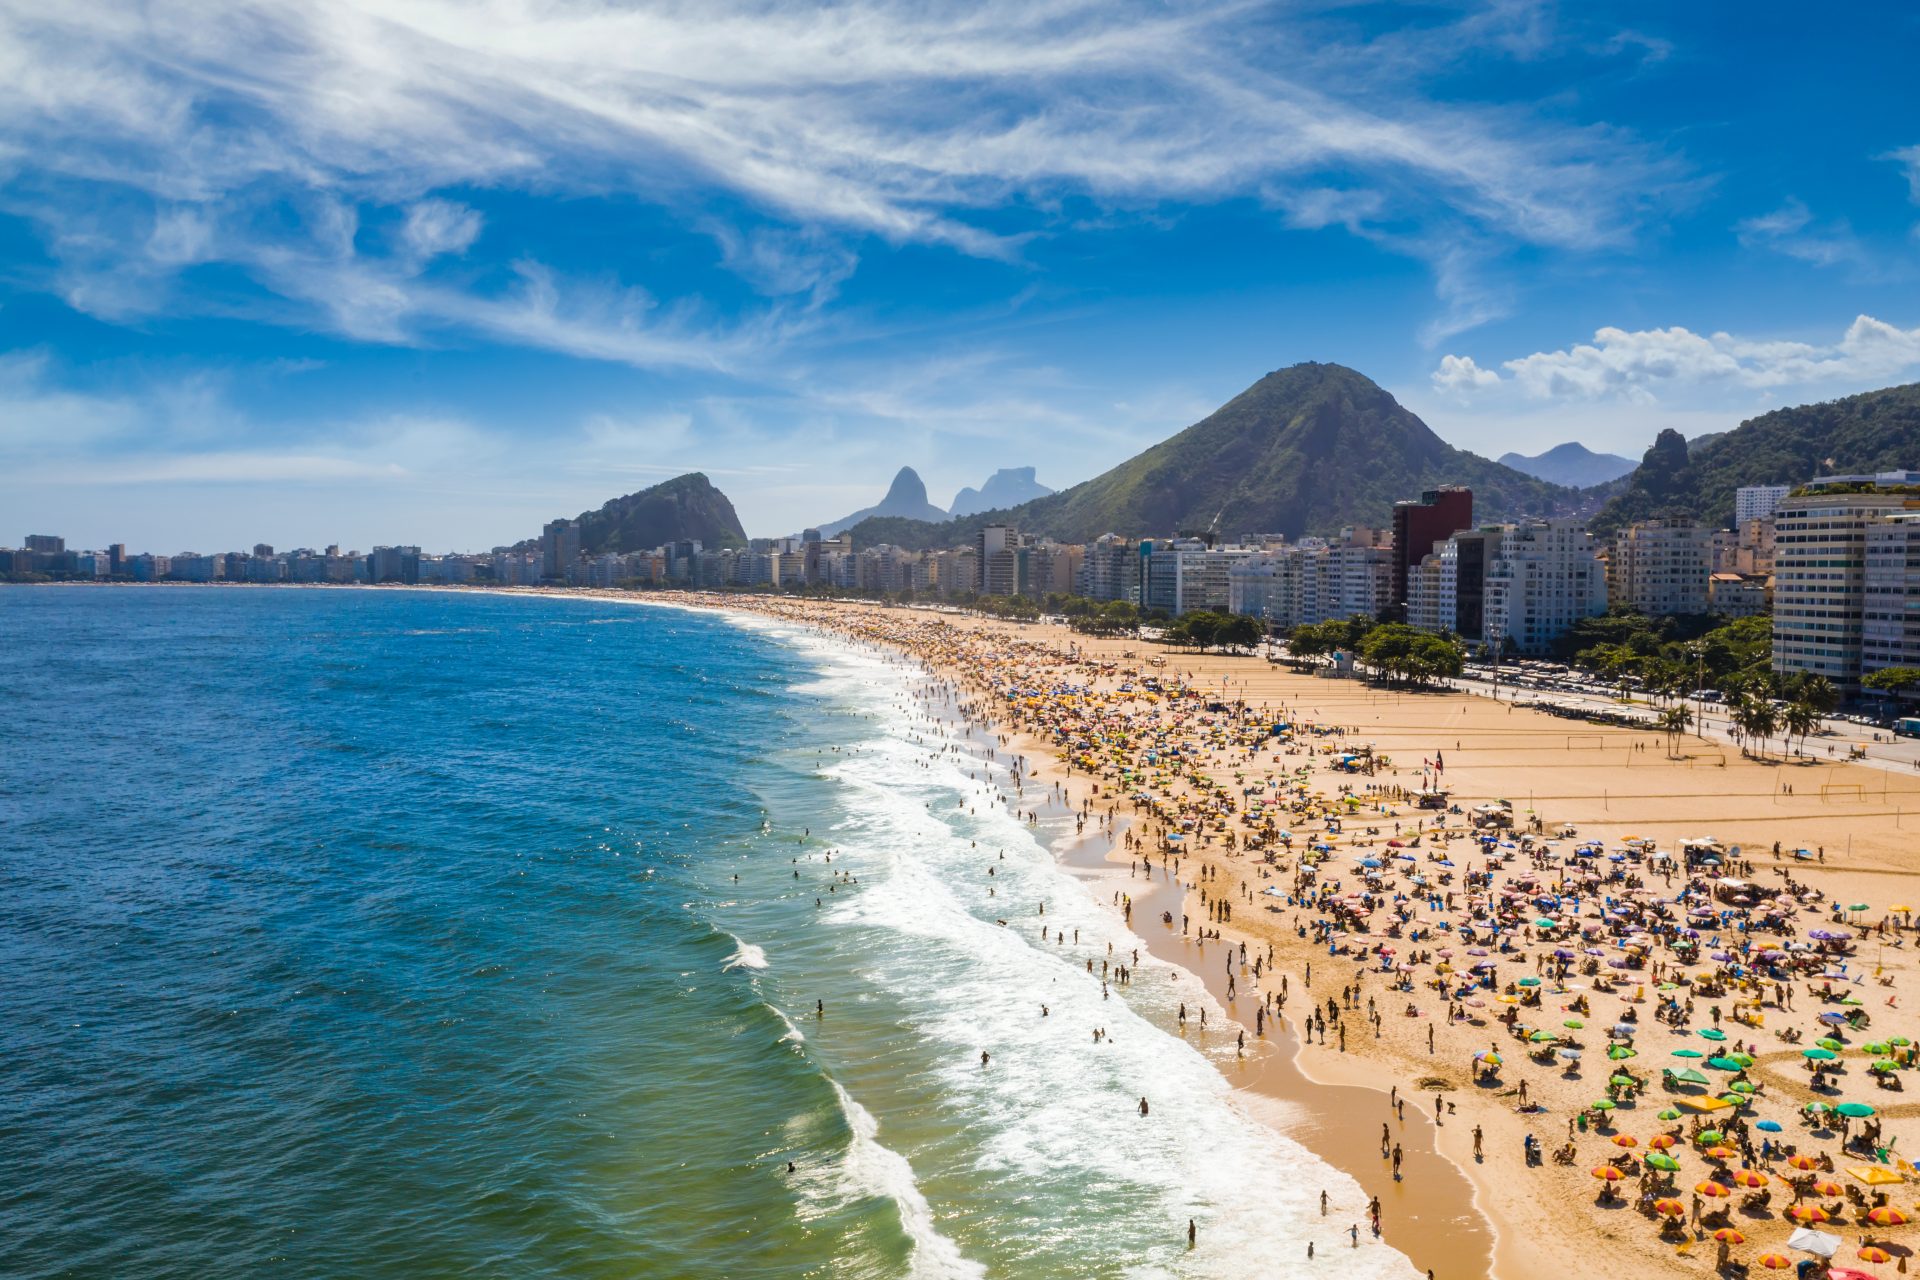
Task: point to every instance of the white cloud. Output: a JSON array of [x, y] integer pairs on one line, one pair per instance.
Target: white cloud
[[1638, 366], [434, 227], [904, 120], [1460, 373]]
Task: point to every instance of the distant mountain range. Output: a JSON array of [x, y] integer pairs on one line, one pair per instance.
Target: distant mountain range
[[1309, 449], [1306, 449], [686, 506], [1007, 487], [1873, 431], [906, 500], [1571, 464]]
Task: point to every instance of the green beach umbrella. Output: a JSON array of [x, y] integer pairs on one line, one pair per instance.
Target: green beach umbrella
[[1858, 906], [1875, 1046], [1828, 1042], [1668, 1113], [1605, 1104], [1723, 1064], [1744, 1059], [1819, 1055], [1741, 1086], [1625, 1082], [1855, 1109], [1529, 982], [1899, 1040], [1691, 1076], [1708, 1137], [1688, 1053], [1816, 1107], [1619, 1051], [1885, 1064], [1540, 1037], [1575, 1023], [1661, 1160], [1713, 1033]]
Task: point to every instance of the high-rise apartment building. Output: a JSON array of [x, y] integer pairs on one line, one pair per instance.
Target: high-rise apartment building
[[1545, 577], [1661, 567], [1819, 577], [1419, 526], [1757, 501], [559, 548]]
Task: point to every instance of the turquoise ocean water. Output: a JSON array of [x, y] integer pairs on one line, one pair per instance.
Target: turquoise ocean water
[[357, 933]]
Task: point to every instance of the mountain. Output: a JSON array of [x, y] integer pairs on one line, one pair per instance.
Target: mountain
[[685, 507], [1873, 431], [906, 498], [1571, 464], [1007, 487], [1304, 450]]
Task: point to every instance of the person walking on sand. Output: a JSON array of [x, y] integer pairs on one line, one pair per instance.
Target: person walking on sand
[[1398, 1155], [1476, 1144], [1143, 1105], [1191, 1233], [1323, 1204]]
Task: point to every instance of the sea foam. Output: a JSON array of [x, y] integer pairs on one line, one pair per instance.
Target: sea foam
[[1053, 1123]]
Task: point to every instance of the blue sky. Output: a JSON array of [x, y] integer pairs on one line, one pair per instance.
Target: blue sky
[[435, 272]]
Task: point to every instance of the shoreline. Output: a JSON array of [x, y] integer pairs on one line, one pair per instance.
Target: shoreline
[[1274, 1078], [1610, 784]]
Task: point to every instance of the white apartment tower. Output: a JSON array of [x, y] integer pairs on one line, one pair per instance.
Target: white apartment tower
[[1544, 578], [1757, 501]]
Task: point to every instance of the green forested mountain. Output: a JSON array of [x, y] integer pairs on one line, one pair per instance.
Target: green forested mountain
[[1304, 450], [684, 507], [1873, 431]]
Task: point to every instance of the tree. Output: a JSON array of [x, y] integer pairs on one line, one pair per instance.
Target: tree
[[1237, 631], [1674, 720], [1756, 719], [1893, 680], [1800, 718]]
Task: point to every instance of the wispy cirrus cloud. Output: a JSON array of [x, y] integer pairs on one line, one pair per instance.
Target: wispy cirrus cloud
[[1792, 230], [911, 122]]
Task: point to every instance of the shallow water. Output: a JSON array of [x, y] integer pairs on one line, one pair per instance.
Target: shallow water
[[392, 933]]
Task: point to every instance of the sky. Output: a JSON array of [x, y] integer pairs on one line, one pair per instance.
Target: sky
[[314, 272]]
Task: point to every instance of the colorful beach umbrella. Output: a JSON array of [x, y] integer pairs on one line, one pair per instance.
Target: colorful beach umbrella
[[1712, 1190], [1661, 1160], [1887, 1216]]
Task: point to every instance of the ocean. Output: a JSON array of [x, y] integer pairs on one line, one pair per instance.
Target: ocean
[[388, 933]]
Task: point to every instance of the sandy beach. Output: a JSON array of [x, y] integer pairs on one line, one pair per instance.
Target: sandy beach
[[1557, 992]]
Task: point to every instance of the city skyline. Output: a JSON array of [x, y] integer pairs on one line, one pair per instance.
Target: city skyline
[[269, 281]]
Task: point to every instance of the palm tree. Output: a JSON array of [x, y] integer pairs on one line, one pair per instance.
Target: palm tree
[[1675, 721], [1757, 719], [1800, 719]]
